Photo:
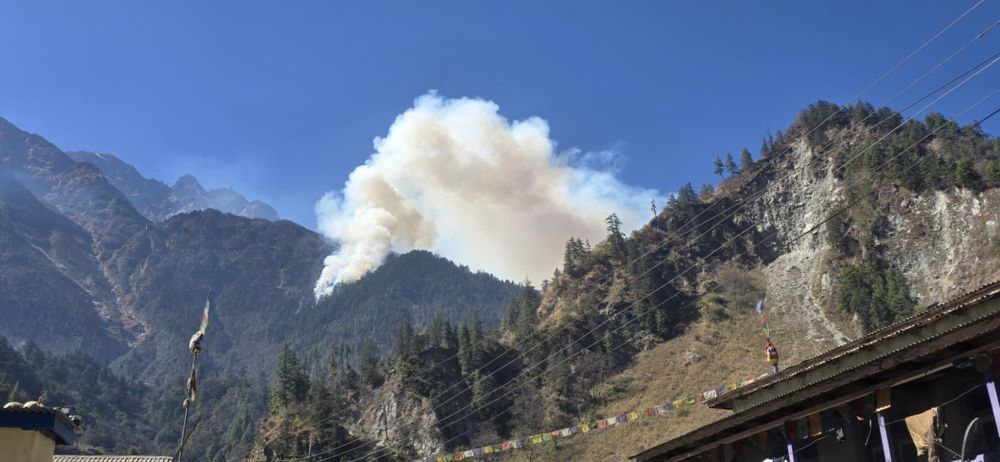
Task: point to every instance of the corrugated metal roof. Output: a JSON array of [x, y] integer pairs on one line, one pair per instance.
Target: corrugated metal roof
[[898, 328], [70, 458], [932, 314]]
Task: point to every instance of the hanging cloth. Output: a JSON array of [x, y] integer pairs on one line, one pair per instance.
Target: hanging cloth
[[923, 431]]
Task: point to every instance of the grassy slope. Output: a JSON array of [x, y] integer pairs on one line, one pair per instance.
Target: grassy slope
[[728, 350]]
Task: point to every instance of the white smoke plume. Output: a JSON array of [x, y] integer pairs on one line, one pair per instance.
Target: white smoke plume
[[455, 177]]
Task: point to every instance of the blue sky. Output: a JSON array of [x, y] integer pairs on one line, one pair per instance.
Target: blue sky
[[281, 100]]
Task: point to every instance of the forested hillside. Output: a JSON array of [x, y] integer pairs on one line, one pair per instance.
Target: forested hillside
[[847, 221], [83, 270]]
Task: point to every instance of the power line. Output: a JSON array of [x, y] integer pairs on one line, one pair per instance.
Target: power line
[[774, 233], [681, 231], [702, 260], [828, 218]]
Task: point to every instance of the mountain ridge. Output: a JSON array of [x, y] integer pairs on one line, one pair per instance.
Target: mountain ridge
[[83, 269], [157, 201], [850, 220]]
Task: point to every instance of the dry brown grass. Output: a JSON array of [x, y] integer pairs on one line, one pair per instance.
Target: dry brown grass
[[728, 351]]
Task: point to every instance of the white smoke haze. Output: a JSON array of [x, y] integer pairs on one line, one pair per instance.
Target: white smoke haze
[[455, 177]]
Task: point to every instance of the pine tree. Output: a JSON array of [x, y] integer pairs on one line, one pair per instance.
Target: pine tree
[[450, 340], [465, 349], [349, 379], [706, 192], [435, 331], [404, 341], [368, 363], [522, 312], [476, 338], [685, 196], [718, 167], [766, 146], [965, 176], [616, 240], [290, 381], [992, 176], [731, 165], [746, 160]]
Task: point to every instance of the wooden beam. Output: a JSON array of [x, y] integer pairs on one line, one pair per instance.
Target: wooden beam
[[776, 422]]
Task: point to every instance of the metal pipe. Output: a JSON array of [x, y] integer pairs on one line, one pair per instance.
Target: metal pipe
[[886, 444]]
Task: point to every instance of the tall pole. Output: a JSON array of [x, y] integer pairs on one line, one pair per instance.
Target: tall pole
[[187, 408], [195, 346]]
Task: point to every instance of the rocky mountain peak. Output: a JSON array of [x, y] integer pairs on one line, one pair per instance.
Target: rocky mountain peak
[[157, 201]]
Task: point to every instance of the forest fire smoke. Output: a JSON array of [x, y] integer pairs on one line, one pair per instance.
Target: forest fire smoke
[[455, 177]]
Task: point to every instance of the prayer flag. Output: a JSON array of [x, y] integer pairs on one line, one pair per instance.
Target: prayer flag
[[650, 412], [858, 409], [760, 307], [815, 425], [602, 424], [506, 446], [192, 387], [477, 452], [791, 431], [803, 430], [633, 415], [622, 418], [204, 317], [883, 399], [487, 449], [713, 454], [829, 420], [546, 437]]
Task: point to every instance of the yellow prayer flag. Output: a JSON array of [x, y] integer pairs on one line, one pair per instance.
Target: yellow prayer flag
[[815, 425], [883, 399]]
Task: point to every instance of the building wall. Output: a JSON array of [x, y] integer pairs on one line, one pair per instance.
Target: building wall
[[25, 446]]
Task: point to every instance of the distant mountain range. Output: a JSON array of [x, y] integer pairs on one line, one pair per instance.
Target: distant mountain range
[[96, 258], [157, 201]]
